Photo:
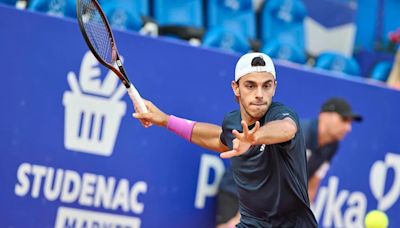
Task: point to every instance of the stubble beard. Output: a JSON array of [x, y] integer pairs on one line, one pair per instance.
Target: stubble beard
[[258, 115]]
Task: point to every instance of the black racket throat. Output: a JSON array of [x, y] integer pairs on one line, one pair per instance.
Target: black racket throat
[[120, 73], [123, 77], [99, 37]]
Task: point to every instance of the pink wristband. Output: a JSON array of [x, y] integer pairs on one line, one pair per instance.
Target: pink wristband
[[181, 127]]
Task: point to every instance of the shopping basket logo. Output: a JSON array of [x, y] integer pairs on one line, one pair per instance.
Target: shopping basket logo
[[93, 109]]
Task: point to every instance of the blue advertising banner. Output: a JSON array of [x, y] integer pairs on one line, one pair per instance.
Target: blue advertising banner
[[72, 155]]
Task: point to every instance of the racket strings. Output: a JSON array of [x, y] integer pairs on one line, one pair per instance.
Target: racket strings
[[96, 31]]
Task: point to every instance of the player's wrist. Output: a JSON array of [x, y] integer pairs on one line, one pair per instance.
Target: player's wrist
[[254, 140], [180, 126], [164, 121]]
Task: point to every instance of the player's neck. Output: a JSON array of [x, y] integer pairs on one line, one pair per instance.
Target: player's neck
[[246, 117]]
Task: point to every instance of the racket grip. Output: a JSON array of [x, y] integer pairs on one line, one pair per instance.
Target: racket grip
[[137, 99]]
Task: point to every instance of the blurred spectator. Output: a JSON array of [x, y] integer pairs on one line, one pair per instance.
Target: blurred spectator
[[337, 62], [394, 77], [394, 40], [227, 201], [322, 136]]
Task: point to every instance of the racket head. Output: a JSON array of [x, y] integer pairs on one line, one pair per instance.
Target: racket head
[[98, 35]]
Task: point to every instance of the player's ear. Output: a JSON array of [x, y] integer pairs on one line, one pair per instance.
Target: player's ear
[[235, 88]]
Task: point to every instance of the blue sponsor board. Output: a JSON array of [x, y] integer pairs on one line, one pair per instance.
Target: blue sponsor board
[[73, 156]]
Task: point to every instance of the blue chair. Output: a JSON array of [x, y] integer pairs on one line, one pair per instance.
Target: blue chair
[[381, 71], [179, 12], [281, 50], [337, 62], [226, 40], [9, 2], [123, 15], [54, 7], [236, 16], [366, 23], [141, 7], [283, 20]]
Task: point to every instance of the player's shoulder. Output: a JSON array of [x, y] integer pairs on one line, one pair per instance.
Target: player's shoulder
[[232, 118], [280, 107], [232, 114], [279, 111]]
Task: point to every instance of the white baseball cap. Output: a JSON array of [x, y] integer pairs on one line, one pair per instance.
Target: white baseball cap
[[243, 65]]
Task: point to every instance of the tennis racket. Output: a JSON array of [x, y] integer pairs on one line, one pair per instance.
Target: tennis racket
[[99, 37]]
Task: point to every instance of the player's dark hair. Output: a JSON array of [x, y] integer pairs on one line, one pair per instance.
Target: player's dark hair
[[258, 61]]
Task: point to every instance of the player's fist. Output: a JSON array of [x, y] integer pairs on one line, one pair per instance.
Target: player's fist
[[154, 116]]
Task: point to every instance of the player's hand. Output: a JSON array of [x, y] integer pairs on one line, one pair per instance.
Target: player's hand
[[247, 135], [243, 141], [154, 116]]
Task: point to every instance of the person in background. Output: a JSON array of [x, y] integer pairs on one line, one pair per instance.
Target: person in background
[[394, 76], [227, 201], [323, 135]]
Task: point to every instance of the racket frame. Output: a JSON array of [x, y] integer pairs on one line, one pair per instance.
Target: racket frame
[[121, 73]]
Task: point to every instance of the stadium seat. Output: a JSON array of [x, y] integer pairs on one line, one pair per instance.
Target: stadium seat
[[237, 16], [337, 62], [286, 51], [283, 20], [179, 12], [9, 2], [142, 7], [381, 71], [125, 15], [226, 40], [54, 7], [366, 23]]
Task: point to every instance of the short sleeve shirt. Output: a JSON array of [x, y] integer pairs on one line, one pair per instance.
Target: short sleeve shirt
[[271, 180]]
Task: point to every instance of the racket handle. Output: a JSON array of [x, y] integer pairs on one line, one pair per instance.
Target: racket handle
[[137, 99]]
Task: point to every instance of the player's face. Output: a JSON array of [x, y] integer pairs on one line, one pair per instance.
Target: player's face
[[339, 126], [254, 92]]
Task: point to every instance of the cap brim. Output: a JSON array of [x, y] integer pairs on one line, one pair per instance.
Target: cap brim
[[354, 117]]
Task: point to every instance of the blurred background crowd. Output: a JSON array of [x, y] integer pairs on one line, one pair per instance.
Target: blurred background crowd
[[357, 39]]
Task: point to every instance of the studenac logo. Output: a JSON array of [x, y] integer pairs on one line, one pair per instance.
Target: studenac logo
[[93, 109]]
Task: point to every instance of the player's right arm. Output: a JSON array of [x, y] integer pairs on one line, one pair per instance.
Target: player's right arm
[[203, 134], [208, 136]]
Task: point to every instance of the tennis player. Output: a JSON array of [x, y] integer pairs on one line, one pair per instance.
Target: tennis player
[[265, 143]]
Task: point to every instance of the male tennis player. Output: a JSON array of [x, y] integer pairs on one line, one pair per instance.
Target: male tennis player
[[266, 145], [322, 136]]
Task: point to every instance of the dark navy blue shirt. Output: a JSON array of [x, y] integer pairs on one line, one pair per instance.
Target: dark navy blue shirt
[[317, 155], [271, 180]]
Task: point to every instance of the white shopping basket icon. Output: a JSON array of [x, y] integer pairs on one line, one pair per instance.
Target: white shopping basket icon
[[91, 122]]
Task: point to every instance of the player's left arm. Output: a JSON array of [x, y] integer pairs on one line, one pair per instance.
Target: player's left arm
[[277, 131]]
